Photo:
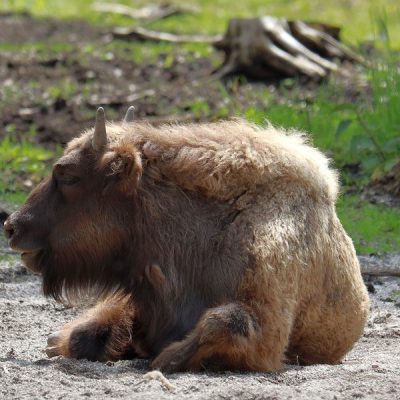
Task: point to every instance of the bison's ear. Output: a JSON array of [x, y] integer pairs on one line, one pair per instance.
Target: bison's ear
[[122, 168]]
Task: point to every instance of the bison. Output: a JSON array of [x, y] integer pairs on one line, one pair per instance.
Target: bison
[[205, 245]]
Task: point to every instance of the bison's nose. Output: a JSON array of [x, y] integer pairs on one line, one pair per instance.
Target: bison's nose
[[8, 229]]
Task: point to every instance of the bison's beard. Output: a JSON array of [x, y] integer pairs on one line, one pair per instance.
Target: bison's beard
[[69, 277], [33, 260]]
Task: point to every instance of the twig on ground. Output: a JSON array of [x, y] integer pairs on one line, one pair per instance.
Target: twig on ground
[[140, 33], [158, 376]]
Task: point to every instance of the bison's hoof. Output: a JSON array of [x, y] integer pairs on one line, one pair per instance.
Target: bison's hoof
[[170, 361], [52, 352], [53, 349]]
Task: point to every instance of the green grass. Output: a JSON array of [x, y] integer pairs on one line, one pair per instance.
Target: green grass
[[37, 47], [21, 163], [7, 259], [373, 227]]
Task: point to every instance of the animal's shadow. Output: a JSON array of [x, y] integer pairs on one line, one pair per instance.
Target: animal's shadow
[[138, 367]]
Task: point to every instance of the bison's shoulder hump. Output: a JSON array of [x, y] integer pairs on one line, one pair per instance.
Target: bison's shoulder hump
[[224, 158]]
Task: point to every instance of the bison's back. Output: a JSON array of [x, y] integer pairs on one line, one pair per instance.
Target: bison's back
[[225, 158]]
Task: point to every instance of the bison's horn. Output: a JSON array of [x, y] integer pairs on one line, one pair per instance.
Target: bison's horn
[[100, 134], [130, 115]]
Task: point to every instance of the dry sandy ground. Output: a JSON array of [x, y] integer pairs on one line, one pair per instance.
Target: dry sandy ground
[[371, 370]]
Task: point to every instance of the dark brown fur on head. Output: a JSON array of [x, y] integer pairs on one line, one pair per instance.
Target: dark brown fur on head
[[76, 226]]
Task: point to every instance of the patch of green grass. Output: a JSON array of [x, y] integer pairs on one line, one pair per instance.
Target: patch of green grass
[[373, 227], [40, 48], [150, 52], [379, 119], [200, 108], [22, 165], [6, 259], [65, 89]]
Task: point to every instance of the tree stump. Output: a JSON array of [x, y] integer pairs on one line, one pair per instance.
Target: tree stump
[[268, 47]]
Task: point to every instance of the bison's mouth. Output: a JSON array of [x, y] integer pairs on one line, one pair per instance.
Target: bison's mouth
[[31, 260]]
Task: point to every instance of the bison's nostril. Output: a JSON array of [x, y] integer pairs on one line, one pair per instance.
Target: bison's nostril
[[8, 229]]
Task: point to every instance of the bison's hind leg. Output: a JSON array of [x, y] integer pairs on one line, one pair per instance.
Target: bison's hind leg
[[103, 333], [228, 336]]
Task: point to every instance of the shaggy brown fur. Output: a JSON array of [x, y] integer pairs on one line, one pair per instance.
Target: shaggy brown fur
[[210, 244]]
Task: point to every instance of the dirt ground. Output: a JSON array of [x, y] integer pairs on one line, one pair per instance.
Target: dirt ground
[[370, 371]]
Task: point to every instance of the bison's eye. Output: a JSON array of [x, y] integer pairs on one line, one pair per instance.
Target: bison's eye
[[63, 177], [66, 179]]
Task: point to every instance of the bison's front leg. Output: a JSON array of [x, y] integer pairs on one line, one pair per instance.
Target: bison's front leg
[[228, 336], [103, 333]]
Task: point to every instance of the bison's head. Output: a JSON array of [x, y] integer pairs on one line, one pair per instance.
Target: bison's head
[[75, 226]]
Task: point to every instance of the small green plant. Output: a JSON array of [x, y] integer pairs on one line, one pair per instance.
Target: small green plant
[[200, 108], [65, 89]]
